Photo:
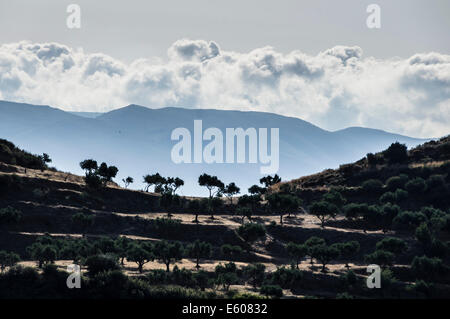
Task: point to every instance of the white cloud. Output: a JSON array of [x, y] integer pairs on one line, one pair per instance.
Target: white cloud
[[334, 89]]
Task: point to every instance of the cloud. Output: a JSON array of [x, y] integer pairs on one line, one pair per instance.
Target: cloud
[[334, 89]]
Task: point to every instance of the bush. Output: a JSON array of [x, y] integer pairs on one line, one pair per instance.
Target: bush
[[355, 210], [255, 274], [101, 263], [396, 153], [395, 182], [432, 269], [392, 244], [9, 215], [409, 220], [324, 254], [374, 186], [272, 291], [43, 253], [380, 257], [230, 251], [251, 232], [10, 154], [373, 159], [416, 186], [8, 259], [401, 195], [287, 277], [348, 279], [323, 211], [226, 280], [423, 234], [348, 250], [388, 197]]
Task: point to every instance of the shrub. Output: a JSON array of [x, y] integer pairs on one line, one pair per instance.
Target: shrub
[[348, 279], [432, 269], [348, 250], [372, 186], [409, 220], [396, 153], [323, 211], [380, 257], [8, 259], [324, 254], [392, 244], [272, 291], [141, 254], [313, 242], [251, 232], [168, 252], [287, 277], [226, 280], [355, 210], [230, 251], [416, 186], [101, 263], [10, 215], [335, 198], [372, 159], [401, 195], [297, 252], [395, 182], [388, 197], [255, 273], [423, 234], [199, 250]]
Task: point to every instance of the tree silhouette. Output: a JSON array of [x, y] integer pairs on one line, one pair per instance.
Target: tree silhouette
[[214, 185], [297, 252], [140, 254], [127, 181], [107, 173], [168, 252], [199, 250], [230, 190], [323, 211], [269, 180], [154, 179], [89, 165]]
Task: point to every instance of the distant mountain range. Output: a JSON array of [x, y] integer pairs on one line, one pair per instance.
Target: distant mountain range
[[137, 140]]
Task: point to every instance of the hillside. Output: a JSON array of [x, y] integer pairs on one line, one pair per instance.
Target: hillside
[[51, 219], [137, 139], [428, 158]]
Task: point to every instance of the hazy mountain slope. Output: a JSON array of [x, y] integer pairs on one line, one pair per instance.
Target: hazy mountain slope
[[137, 140]]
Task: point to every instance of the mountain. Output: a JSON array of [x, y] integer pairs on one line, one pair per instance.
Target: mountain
[[138, 141]]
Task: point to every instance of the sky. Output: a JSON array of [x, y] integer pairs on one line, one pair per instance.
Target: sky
[[316, 60]]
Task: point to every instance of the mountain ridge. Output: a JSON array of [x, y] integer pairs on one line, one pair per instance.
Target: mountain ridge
[[137, 140]]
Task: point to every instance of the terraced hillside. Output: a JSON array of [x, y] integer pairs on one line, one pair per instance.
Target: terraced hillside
[[310, 237]]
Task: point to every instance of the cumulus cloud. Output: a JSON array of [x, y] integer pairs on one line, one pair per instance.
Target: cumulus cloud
[[334, 89]]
